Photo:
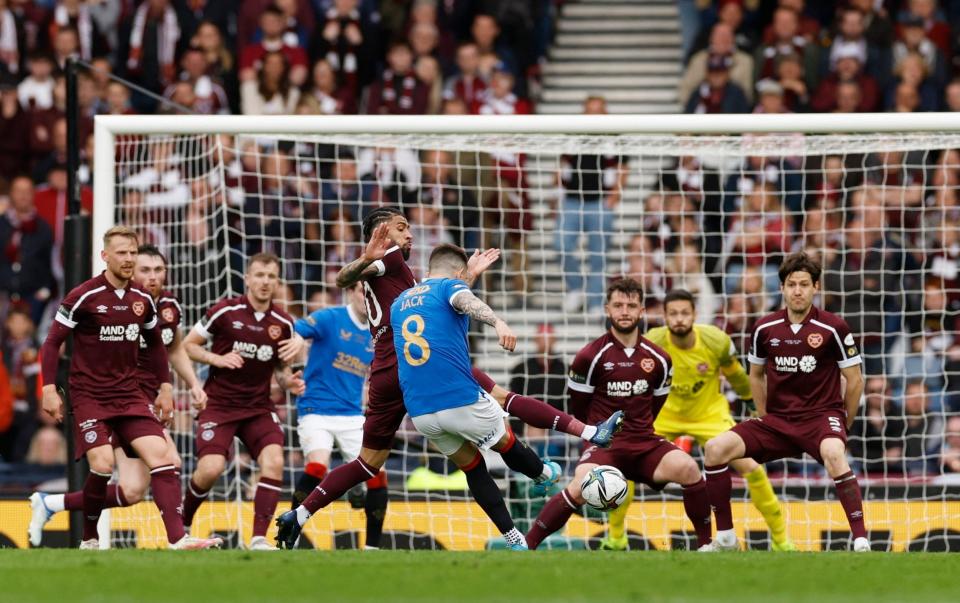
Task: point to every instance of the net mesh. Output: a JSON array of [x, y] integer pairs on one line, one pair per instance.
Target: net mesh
[[713, 214]]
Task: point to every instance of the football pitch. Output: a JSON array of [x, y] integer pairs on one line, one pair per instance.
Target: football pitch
[[70, 576]]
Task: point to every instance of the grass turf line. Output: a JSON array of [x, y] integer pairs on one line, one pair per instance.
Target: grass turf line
[[69, 576]]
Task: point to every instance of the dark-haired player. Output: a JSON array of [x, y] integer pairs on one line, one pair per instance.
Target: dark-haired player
[[384, 272], [133, 474], [797, 357], [624, 371], [252, 340], [107, 316]]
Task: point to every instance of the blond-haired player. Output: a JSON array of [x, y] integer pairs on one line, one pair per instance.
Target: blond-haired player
[[697, 407]]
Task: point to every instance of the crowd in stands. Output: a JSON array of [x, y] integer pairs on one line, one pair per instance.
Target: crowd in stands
[[886, 225]]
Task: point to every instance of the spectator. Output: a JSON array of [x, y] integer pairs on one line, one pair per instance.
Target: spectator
[[467, 85], [342, 247], [770, 97], [26, 275], [118, 100], [951, 96], [729, 13], [48, 447], [14, 130], [324, 98], [162, 181], [717, 94], [273, 92], [541, 375], [424, 39], [924, 13], [427, 12], [6, 414], [721, 44], [485, 33], [439, 188], [786, 41], [789, 73], [428, 71], [808, 27], [911, 71], [950, 458], [254, 55], [342, 42], [398, 91], [192, 16], [593, 187], [873, 437], [36, 90], [429, 230], [151, 48], [10, 50], [51, 203], [687, 270], [209, 96], [344, 195], [251, 12], [905, 99], [78, 15], [220, 61], [646, 267], [915, 450], [737, 319], [913, 40], [757, 237], [850, 35], [395, 173], [933, 337], [21, 369], [878, 30], [66, 45], [295, 30], [848, 62]]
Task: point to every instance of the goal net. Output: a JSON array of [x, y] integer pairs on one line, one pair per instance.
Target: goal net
[[574, 203]]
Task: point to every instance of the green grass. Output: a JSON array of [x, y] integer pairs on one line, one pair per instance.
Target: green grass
[[69, 576]]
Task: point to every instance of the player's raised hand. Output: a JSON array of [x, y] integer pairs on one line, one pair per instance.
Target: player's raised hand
[[231, 360], [481, 260], [199, 397], [295, 384], [163, 405], [508, 340], [291, 349], [379, 243], [52, 402]]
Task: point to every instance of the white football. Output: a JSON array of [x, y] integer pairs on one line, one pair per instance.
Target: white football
[[604, 488]]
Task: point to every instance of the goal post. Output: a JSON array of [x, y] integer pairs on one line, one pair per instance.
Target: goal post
[[706, 202]]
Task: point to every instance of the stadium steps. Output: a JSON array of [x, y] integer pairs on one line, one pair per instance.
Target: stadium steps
[[629, 52]]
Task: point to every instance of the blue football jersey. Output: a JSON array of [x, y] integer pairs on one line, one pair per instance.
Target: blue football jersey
[[430, 337], [337, 364]]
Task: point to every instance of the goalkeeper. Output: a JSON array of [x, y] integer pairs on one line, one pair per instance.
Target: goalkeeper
[[697, 407]]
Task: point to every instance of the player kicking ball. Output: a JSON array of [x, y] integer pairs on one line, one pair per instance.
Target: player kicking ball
[[797, 357], [252, 340], [331, 410], [107, 316], [134, 475], [697, 407], [623, 371], [447, 405]]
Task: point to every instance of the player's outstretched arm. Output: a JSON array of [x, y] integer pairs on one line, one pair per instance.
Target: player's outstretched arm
[[362, 268], [469, 304], [194, 345], [758, 385], [181, 363], [479, 262], [851, 395], [739, 381], [291, 381]]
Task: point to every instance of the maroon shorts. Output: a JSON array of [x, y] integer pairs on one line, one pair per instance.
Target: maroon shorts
[[114, 423], [771, 437], [385, 409], [217, 428], [636, 460]]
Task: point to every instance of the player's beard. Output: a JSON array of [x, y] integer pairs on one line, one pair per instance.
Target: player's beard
[[405, 252], [625, 330], [680, 334]]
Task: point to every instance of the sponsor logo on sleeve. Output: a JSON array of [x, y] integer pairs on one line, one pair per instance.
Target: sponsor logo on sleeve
[[848, 340], [576, 377], [138, 308], [814, 340]]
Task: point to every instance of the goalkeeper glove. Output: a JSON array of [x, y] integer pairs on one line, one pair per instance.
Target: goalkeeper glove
[[749, 406]]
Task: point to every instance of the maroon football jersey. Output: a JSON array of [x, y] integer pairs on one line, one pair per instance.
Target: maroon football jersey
[[168, 323], [803, 361], [624, 379], [234, 326], [106, 324], [393, 278]]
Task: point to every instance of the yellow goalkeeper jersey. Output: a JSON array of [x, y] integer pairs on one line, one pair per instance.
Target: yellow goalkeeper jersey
[[696, 394]]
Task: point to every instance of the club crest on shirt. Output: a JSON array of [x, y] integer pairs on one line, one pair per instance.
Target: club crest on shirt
[[647, 364], [167, 314], [703, 368], [138, 307], [274, 332], [814, 340]]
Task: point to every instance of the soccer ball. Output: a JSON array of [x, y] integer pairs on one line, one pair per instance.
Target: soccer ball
[[604, 488]]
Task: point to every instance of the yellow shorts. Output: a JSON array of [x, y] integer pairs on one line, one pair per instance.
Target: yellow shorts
[[672, 427]]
